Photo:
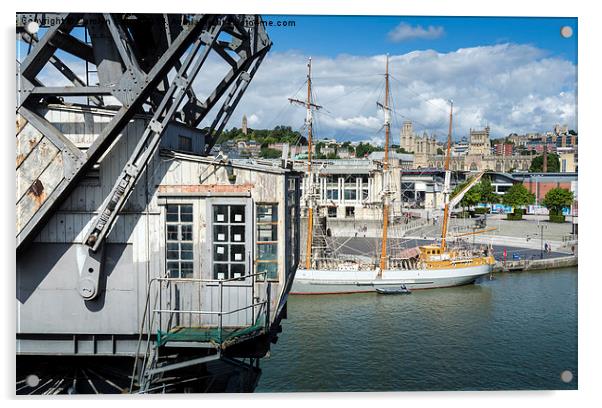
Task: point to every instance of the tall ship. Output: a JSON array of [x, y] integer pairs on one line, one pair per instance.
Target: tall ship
[[441, 263]]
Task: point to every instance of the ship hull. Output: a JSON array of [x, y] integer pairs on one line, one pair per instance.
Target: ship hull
[[308, 282]]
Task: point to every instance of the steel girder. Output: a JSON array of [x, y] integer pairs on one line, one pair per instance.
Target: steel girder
[[133, 54]]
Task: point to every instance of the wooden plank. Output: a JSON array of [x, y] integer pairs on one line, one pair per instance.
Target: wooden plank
[[60, 228], [70, 227], [35, 196], [51, 225], [27, 139], [35, 163]]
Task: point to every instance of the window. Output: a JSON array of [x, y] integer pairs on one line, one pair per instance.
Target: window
[[350, 212], [179, 245], [332, 194], [332, 212], [292, 232], [350, 194], [184, 143], [267, 240], [229, 241]]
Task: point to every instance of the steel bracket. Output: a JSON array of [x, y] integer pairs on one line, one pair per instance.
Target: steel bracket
[[90, 265]]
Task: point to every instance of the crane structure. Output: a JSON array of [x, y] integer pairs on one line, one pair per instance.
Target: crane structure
[[143, 64]]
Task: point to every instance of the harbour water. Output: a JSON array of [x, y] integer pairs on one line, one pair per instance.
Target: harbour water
[[517, 331]]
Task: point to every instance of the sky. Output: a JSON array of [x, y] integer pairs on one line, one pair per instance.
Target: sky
[[513, 74]]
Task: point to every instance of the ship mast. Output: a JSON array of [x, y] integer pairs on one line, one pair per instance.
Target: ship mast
[[446, 187], [387, 124], [309, 195]]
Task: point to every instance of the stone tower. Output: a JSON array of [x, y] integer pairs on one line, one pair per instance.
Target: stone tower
[[478, 142], [244, 124], [407, 137]]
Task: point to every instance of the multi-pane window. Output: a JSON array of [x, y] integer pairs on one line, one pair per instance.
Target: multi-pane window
[[267, 240], [293, 229], [350, 195], [179, 244], [332, 194], [229, 243]]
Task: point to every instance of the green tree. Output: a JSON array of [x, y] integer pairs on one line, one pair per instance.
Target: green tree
[[487, 192], [553, 163], [269, 153], [518, 196], [440, 151], [364, 149], [471, 197], [556, 199]]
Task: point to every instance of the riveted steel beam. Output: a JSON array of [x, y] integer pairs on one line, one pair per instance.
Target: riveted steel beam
[[138, 96]]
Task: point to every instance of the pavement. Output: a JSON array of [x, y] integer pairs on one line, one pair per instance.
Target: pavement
[[526, 233], [370, 247]]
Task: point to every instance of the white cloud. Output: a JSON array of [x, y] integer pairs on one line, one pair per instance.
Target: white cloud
[[510, 87], [405, 31], [252, 120]]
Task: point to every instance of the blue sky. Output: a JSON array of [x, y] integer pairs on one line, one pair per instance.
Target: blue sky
[[367, 35]]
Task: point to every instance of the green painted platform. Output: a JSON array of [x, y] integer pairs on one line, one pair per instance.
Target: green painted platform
[[207, 334]]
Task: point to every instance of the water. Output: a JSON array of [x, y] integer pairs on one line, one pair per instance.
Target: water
[[518, 331]]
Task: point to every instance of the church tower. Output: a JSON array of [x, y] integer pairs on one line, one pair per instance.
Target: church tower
[[244, 124]]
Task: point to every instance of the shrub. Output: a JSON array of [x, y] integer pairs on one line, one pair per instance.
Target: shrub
[[516, 215], [556, 218]]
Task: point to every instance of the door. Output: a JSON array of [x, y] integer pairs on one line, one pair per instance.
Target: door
[[228, 246], [178, 295]]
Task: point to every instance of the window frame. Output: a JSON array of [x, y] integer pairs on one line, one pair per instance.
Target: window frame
[[247, 240], [179, 241], [275, 211]]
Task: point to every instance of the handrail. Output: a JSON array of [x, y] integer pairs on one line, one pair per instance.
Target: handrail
[[208, 312], [154, 314], [202, 280]]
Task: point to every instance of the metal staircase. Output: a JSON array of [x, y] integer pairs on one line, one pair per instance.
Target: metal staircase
[[172, 344]]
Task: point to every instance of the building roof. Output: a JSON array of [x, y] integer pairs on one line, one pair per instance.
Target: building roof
[[407, 157], [248, 164]]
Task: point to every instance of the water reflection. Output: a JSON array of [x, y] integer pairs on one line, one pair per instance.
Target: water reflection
[[512, 332]]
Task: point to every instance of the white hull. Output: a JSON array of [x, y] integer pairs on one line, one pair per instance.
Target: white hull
[[314, 281]]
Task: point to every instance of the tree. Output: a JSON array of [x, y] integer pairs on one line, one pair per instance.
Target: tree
[[487, 192], [518, 196], [553, 163], [471, 197], [556, 199], [440, 151], [269, 153], [364, 149], [319, 147]]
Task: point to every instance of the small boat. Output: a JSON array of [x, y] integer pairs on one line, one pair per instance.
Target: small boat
[[402, 290]]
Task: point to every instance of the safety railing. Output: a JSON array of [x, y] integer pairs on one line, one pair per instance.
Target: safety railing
[[170, 301], [182, 302]]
